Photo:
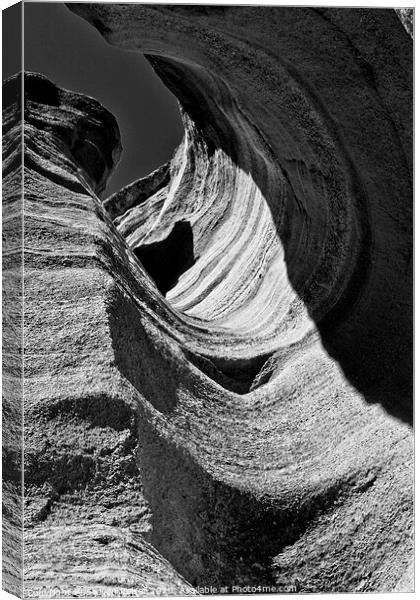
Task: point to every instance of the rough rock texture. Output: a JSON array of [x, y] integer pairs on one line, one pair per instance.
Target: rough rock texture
[[218, 357], [406, 15], [12, 323]]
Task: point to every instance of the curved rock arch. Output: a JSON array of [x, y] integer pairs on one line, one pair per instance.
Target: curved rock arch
[[277, 116]]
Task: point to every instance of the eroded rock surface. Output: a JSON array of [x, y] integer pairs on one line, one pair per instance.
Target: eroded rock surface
[[236, 411]]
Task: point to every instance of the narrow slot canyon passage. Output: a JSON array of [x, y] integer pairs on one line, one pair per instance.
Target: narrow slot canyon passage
[[217, 379]]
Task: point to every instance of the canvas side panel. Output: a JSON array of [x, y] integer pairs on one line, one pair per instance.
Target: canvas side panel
[[12, 302]]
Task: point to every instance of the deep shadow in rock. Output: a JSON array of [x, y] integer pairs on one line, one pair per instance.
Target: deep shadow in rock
[[165, 261], [239, 376]]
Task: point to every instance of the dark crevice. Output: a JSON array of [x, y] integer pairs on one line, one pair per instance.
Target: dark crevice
[[167, 260], [239, 376]]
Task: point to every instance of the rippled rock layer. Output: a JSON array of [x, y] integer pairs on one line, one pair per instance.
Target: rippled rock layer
[[218, 357]]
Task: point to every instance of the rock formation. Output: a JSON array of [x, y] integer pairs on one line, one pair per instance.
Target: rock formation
[[218, 357]]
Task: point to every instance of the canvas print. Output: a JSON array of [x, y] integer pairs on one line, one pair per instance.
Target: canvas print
[[207, 299]]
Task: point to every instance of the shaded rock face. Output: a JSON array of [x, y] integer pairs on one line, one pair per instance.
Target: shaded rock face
[[218, 357], [165, 261]]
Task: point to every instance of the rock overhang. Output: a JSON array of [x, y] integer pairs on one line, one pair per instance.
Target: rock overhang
[[89, 134]]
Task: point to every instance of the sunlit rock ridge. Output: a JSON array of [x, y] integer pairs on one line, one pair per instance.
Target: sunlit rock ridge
[[218, 356]]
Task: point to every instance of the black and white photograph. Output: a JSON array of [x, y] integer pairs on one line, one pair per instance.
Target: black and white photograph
[[207, 296]]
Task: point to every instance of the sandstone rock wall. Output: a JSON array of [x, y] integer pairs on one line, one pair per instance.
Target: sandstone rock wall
[[12, 328], [218, 357]]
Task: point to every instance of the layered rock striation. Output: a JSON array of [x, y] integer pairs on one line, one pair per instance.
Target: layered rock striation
[[218, 357]]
